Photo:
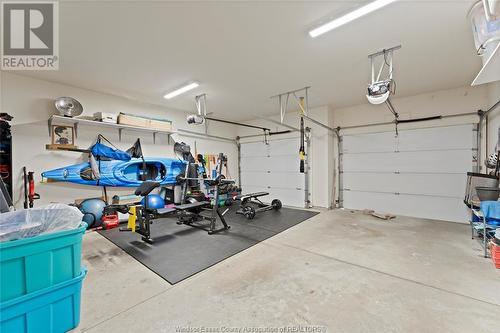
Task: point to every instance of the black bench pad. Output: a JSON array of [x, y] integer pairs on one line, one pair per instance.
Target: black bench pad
[[146, 188], [166, 210], [251, 195], [192, 205]]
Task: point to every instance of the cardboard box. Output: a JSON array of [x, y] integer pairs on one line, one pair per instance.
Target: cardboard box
[[125, 119], [161, 125], [151, 123], [106, 117]]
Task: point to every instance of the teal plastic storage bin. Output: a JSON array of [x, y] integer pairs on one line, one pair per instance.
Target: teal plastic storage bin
[[32, 264], [50, 310]]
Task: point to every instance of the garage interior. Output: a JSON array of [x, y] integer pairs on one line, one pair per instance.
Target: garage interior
[[251, 166]]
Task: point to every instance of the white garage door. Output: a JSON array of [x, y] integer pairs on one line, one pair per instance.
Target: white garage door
[[420, 173], [273, 168]]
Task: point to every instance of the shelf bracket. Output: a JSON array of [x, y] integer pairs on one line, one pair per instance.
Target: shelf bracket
[[154, 137], [120, 134], [49, 123], [75, 126]]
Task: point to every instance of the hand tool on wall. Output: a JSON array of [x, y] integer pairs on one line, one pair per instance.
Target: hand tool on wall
[[29, 189]]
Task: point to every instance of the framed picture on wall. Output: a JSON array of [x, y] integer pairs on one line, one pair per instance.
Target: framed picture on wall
[[63, 135]]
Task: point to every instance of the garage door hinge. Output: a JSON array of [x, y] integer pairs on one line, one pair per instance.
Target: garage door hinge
[[397, 193], [397, 172]]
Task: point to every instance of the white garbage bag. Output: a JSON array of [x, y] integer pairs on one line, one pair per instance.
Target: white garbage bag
[[32, 222]]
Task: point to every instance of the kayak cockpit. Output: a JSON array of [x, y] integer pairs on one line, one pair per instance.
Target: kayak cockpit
[[87, 174], [141, 171]]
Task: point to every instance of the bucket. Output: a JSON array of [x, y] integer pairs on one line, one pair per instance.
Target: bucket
[[55, 309], [31, 264]]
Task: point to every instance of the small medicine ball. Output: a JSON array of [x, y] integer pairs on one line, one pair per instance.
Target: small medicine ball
[[92, 210], [155, 201]]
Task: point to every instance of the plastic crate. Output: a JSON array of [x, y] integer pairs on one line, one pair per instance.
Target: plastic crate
[[31, 264], [50, 310]]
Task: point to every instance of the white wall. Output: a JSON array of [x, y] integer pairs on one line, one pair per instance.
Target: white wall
[[442, 102], [30, 102]]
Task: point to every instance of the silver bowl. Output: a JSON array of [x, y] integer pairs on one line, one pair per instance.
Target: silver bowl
[[488, 193]]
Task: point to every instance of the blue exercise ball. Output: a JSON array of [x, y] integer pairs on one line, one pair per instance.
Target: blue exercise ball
[[92, 210], [155, 201]]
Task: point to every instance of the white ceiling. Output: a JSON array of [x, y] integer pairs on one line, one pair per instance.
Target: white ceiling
[[242, 52]]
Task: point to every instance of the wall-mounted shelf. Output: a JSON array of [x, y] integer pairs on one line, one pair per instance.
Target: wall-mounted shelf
[[491, 69], [75, 122]]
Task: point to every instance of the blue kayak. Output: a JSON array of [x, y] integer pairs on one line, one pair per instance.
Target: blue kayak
[[121, 173]]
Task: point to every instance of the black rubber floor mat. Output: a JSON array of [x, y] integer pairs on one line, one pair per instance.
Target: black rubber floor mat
[[180, 251]]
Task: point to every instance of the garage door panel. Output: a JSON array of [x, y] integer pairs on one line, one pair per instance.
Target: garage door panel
[[449, 209], [447, 161], [426, 184], [279, 180], [286, 180], [255, 179], [273, 168], [444, 138], [293, 198], [284, 163], [441, 138], [280, 147], [252, 189], [254, 149], [423, 177], [255, 163], [378, 142]]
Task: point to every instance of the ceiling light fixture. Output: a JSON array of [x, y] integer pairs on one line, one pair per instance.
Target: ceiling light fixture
[[351, 16], [181, 90]]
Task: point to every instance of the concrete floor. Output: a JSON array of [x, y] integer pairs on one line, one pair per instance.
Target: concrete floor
[[337, 272]]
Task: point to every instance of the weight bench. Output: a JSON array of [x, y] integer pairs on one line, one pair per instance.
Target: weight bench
[[144, 190], [192, 205], [190, 213], [143, 213], [245, 197], [187, 213], [248, 201]]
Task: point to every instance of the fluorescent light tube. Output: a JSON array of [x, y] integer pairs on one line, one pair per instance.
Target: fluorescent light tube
[[181, 90], [351, 16]]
